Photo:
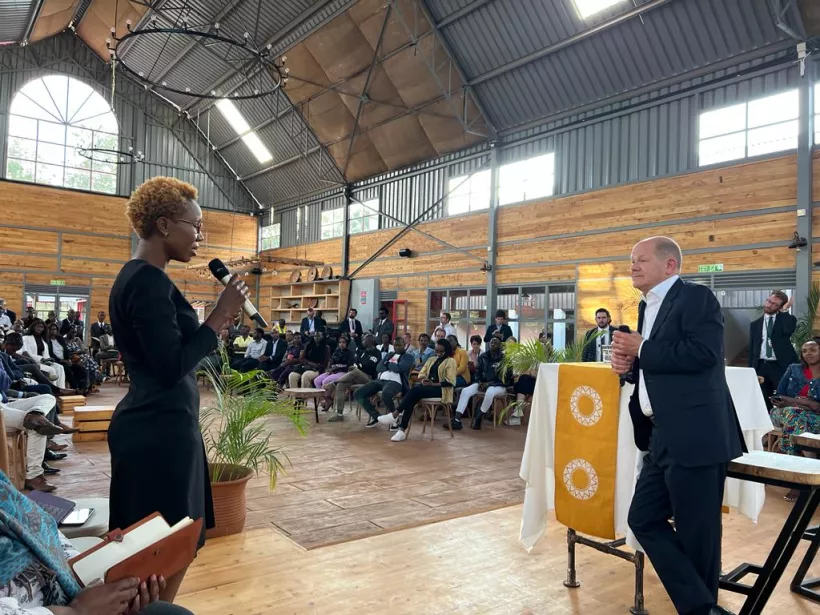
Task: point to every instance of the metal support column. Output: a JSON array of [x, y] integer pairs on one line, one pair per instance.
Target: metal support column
[[346, 234], [491, 234], [805, 138]]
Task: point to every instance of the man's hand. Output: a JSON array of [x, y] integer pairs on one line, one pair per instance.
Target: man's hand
[[148, 593], [621, 364], [626, 344]]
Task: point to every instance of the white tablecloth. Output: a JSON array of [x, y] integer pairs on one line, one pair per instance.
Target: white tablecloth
[[537, 463]]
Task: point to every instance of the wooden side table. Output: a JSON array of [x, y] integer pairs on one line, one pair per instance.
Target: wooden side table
[[801, 474], [300, 395]]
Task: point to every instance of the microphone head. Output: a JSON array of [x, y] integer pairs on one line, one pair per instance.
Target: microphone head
[[218, 269], [624, 329]]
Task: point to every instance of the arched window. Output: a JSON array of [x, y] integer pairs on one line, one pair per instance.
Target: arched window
[[48, 119]]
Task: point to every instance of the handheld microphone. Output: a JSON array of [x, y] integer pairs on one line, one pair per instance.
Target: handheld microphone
[[221, 273], [624, 329], [628, 376]]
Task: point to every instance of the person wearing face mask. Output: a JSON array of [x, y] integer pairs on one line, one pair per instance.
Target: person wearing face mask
[[158, 461], [436, 380], [393, 378]]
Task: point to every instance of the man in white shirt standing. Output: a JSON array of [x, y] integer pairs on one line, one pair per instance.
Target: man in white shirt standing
[[593, 349], [770, 347], [445, 319], [684, 419]]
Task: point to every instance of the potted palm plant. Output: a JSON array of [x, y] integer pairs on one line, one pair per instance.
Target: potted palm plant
[[237, 431]]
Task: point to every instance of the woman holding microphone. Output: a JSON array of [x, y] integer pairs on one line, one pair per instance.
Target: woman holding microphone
[[158, 461]]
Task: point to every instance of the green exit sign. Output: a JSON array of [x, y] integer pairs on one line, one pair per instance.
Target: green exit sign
[[57, 282], [709, 268]]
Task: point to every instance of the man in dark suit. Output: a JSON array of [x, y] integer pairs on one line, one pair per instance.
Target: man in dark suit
[[593, 348], [352, 326], [382, 325], [500, 325], [311, 323], [72, 320], [98, 329], [684, 419], [274, 352], [770, 347]]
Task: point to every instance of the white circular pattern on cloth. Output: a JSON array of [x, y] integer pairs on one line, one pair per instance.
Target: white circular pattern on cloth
[[587, 420], [592, 479]]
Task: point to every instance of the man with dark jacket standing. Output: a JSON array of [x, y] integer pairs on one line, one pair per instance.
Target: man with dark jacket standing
[[352, 326], [394, 378], [683, 418], [500, 325], [383, 324], [593, 348], [770, 347]]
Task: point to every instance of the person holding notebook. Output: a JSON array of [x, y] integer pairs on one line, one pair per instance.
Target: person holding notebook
[[35, 577], [158, 460]]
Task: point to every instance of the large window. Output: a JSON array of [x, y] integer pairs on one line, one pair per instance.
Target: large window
[[758, 127], [467, 308], [271, 236], [588, 8], [536, 308], [526, 179], [333, 223], [468, 194], [49, 118], [364, 216]]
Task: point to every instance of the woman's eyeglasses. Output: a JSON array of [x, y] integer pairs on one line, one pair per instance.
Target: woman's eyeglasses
[[197, 225]]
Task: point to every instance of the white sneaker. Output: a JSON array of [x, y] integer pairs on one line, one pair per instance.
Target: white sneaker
[[387, 419], [399, 436]]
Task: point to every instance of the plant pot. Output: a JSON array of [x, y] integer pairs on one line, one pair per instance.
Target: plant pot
[[229, 503]]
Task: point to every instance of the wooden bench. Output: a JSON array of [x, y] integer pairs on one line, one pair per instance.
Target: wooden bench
[[68, 403], [93, 422]]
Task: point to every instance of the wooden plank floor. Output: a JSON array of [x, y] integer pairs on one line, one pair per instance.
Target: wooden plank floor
[[469, 564], [347, 482]]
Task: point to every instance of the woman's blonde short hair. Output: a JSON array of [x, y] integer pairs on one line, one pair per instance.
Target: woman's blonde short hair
[[158, 197]]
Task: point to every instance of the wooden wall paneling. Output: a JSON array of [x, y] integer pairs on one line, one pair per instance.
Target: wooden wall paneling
[[816, 177], [456, 280], [90, 266], [724, 232], [70, 280], [328, 252], [756, 185], [225, 230], [28, 262], [536, 273], [741, 259], [450, 262], [412, 282], [62, 209], [110, 248], [416, 310], [27, 240]]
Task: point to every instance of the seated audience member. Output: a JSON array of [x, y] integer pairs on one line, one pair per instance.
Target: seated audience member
[[797, 400], [425, 351], [312, 323], [241, 341], [254, 350], [7, 317], [293, 355], [35, 347], [363, 370], [29, 317], [280, 326], [409, 346], [313, 362], [35, 578], [340, 363], [490, 382], [213, 361], [52, 318], [72, 320], [436, 380], [274, 351], [438, 334], [58, 349], [18, 327], [462, 369], [385, 347], [500, 326], [77, 348], [393, 378], [29, 414], [12, 344], [473, 354]]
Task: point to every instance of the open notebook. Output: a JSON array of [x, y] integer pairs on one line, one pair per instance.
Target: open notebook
[[146, 548]]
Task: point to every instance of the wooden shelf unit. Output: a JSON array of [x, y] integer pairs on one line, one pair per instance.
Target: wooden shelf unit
[[291, 301]]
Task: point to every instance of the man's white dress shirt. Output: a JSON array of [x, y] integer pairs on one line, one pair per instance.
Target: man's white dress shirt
[[654, 298]]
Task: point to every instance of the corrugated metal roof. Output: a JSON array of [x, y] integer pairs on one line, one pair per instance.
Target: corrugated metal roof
[[294, 180], [675, 38], [16, 16]]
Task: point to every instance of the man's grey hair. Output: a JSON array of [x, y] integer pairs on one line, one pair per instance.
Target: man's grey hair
[[666, 247]]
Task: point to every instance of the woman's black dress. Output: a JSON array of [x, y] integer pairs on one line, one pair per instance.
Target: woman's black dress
[[158, 461]]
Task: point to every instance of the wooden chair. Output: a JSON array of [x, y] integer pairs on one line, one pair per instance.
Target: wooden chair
[[499, 403], [773, 440], [430, 407], [13, 454], [118, 373]]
